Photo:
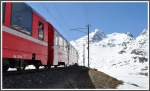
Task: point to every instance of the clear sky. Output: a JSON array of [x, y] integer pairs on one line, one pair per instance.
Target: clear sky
[[108, 17]]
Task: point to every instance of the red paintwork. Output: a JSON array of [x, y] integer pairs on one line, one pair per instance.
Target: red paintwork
[[17, 47], [36, 19], [22, 48], [7, 14], [50, 44]]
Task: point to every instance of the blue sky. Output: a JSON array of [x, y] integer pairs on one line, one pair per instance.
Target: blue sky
[[108, 17]]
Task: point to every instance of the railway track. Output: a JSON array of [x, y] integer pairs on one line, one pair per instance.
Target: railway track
[[31, 71]]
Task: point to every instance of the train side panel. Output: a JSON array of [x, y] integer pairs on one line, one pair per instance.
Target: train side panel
[[35, 34], [22, 46], [63, 51], [19, 45], [73, 56]]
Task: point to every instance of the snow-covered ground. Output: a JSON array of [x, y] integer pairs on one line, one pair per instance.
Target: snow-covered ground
[[119, 55], [26, 68]]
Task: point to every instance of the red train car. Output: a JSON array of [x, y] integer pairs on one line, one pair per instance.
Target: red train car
[[27, 38]]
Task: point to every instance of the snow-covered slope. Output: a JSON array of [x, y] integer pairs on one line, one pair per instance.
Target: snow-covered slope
[[97, 35], [119, 55], [115, 39]]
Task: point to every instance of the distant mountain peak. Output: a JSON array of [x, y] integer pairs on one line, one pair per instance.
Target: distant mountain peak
[[129, 34], [97, 30], [98, 35]]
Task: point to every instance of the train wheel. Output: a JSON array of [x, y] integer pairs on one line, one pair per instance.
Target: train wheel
[[20, 68], [65, 66], [5, 65], [37, 67], [5, 68], [47, 66], [21, 65], [55, 66]]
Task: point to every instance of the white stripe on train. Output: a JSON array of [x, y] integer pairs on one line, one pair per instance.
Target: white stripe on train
[[19, 34]]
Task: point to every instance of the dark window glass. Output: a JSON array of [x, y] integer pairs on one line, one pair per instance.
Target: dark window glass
[[41, 31], [21, 17], [4, 4]]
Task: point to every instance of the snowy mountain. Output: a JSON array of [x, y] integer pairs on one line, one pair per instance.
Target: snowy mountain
[[116, 39], [119, 55], [98, 35]]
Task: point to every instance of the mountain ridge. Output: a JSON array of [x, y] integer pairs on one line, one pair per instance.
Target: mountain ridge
[[117, 53]]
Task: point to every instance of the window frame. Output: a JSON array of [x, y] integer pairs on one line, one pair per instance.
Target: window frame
[[39, 22], [56, 39], [20, 29]]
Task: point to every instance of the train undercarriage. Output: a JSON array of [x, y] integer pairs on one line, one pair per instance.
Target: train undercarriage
[[21, 64]]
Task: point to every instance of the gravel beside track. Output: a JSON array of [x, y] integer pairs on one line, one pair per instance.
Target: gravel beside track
[[59, 78]]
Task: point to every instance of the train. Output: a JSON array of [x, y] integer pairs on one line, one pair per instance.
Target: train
[[29, 39]]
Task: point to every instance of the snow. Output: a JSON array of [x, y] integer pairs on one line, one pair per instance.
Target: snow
[[30, 67], [12, 69], [119, 55], [26, 68]]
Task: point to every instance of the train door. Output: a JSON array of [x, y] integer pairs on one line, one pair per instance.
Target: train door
[[50, 45]]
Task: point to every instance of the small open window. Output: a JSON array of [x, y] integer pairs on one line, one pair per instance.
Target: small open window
[[41, 31]]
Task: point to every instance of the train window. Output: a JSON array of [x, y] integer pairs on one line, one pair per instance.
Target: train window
[[21, 17], [56, 39], [41, 31], [60, 41], [64, 44], [4, 4]]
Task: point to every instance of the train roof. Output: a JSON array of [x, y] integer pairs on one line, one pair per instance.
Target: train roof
[[50, 24]]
